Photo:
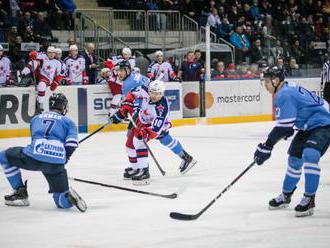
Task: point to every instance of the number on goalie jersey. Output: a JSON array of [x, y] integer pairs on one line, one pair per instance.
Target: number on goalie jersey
[[51, 132]]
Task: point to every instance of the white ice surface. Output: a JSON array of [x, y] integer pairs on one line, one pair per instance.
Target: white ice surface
[[115, 218]]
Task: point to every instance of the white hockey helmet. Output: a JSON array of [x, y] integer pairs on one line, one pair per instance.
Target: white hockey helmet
[[58, 50], [159, 53], [157, 87], [51, 49], [1, 47], [73, 48], [104, 71], [126, 51]]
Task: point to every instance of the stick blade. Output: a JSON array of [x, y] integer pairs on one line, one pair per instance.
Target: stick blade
[[179, 216], [172, 196]]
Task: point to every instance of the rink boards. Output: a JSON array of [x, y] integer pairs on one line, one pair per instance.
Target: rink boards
[[231, 101]]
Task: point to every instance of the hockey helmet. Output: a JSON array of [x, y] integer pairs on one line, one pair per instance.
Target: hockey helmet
[[273, 71], [51, 49], [1, 47], [159, 54], [73, 48], [157, 87], [58, 101], [126, 51]]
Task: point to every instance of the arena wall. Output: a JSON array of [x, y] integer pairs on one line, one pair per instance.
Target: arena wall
[[226, 102]]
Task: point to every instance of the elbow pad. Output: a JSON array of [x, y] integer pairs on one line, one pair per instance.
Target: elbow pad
[[279, 133]]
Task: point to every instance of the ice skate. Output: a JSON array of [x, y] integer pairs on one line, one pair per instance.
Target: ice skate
[[130, 172], [18, 198], [76, 200], [306, 206], [142, 177], [282, 201], [187, 163]]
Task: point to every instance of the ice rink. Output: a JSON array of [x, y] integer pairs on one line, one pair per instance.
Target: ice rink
[[115, 218]]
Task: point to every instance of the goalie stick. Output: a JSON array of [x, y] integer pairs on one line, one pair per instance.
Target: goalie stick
[[180, 216], [168, 196], [130, 118]]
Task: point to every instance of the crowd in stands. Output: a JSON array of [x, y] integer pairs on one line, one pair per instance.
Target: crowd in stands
[[261, 30]]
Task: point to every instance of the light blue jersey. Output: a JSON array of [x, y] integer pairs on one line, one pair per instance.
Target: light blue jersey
[[134, 80], [296, 106], [51, 132]]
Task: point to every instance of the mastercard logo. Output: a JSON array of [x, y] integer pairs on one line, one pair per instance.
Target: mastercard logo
[[191, 100]]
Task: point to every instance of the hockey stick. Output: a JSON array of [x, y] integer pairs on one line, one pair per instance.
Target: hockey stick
[[169, 196], [129, 117], [180, 216], [96, 131]]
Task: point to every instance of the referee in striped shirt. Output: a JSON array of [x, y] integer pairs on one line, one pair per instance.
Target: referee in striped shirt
[[325, 80]]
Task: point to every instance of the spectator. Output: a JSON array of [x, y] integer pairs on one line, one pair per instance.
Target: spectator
[[244, 71], [188, 8], [190, 69], [28, 35], [12, 34], [231, 72], [277, 51], [293, 70], [224, 29], [71, 41], [219, 71], [198, 57], [254, 69], [41, 28], [26, 20], [214, 20], [91, 62], [15, 52], [239, 40], [297, 51], [257, 53]]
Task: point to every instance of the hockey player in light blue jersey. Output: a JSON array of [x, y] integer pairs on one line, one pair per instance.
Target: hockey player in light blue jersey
[[131, 81], [54, 138], [296, 106]]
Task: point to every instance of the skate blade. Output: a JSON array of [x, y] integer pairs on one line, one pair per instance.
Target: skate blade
[[141, 182], [193, 162], [18, 203], [309, 212], [79, 203], [279, 207]]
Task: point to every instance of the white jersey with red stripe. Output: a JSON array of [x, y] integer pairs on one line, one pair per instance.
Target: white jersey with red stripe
[[162, 71], [76, 70], [155, 115], [45, 69], [117, 59], [5, 72]]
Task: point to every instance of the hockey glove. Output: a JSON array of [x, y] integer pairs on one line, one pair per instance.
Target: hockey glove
[[116, 118], [53, 85], [33, 55], [146, 133], [126, 107], [262, 153]]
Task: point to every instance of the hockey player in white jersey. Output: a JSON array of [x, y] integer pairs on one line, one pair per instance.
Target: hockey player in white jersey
[[161, 69], [152, 120], [59, 58], [47, 71], [104, 77], [126, 55], [75, 67], [125, 83], [5, 71]]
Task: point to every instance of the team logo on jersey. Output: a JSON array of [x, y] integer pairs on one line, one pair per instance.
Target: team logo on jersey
[[160, 108], [277, 112], [49, 148]]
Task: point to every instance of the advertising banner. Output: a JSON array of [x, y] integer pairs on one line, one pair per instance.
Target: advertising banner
[[237, 98]]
